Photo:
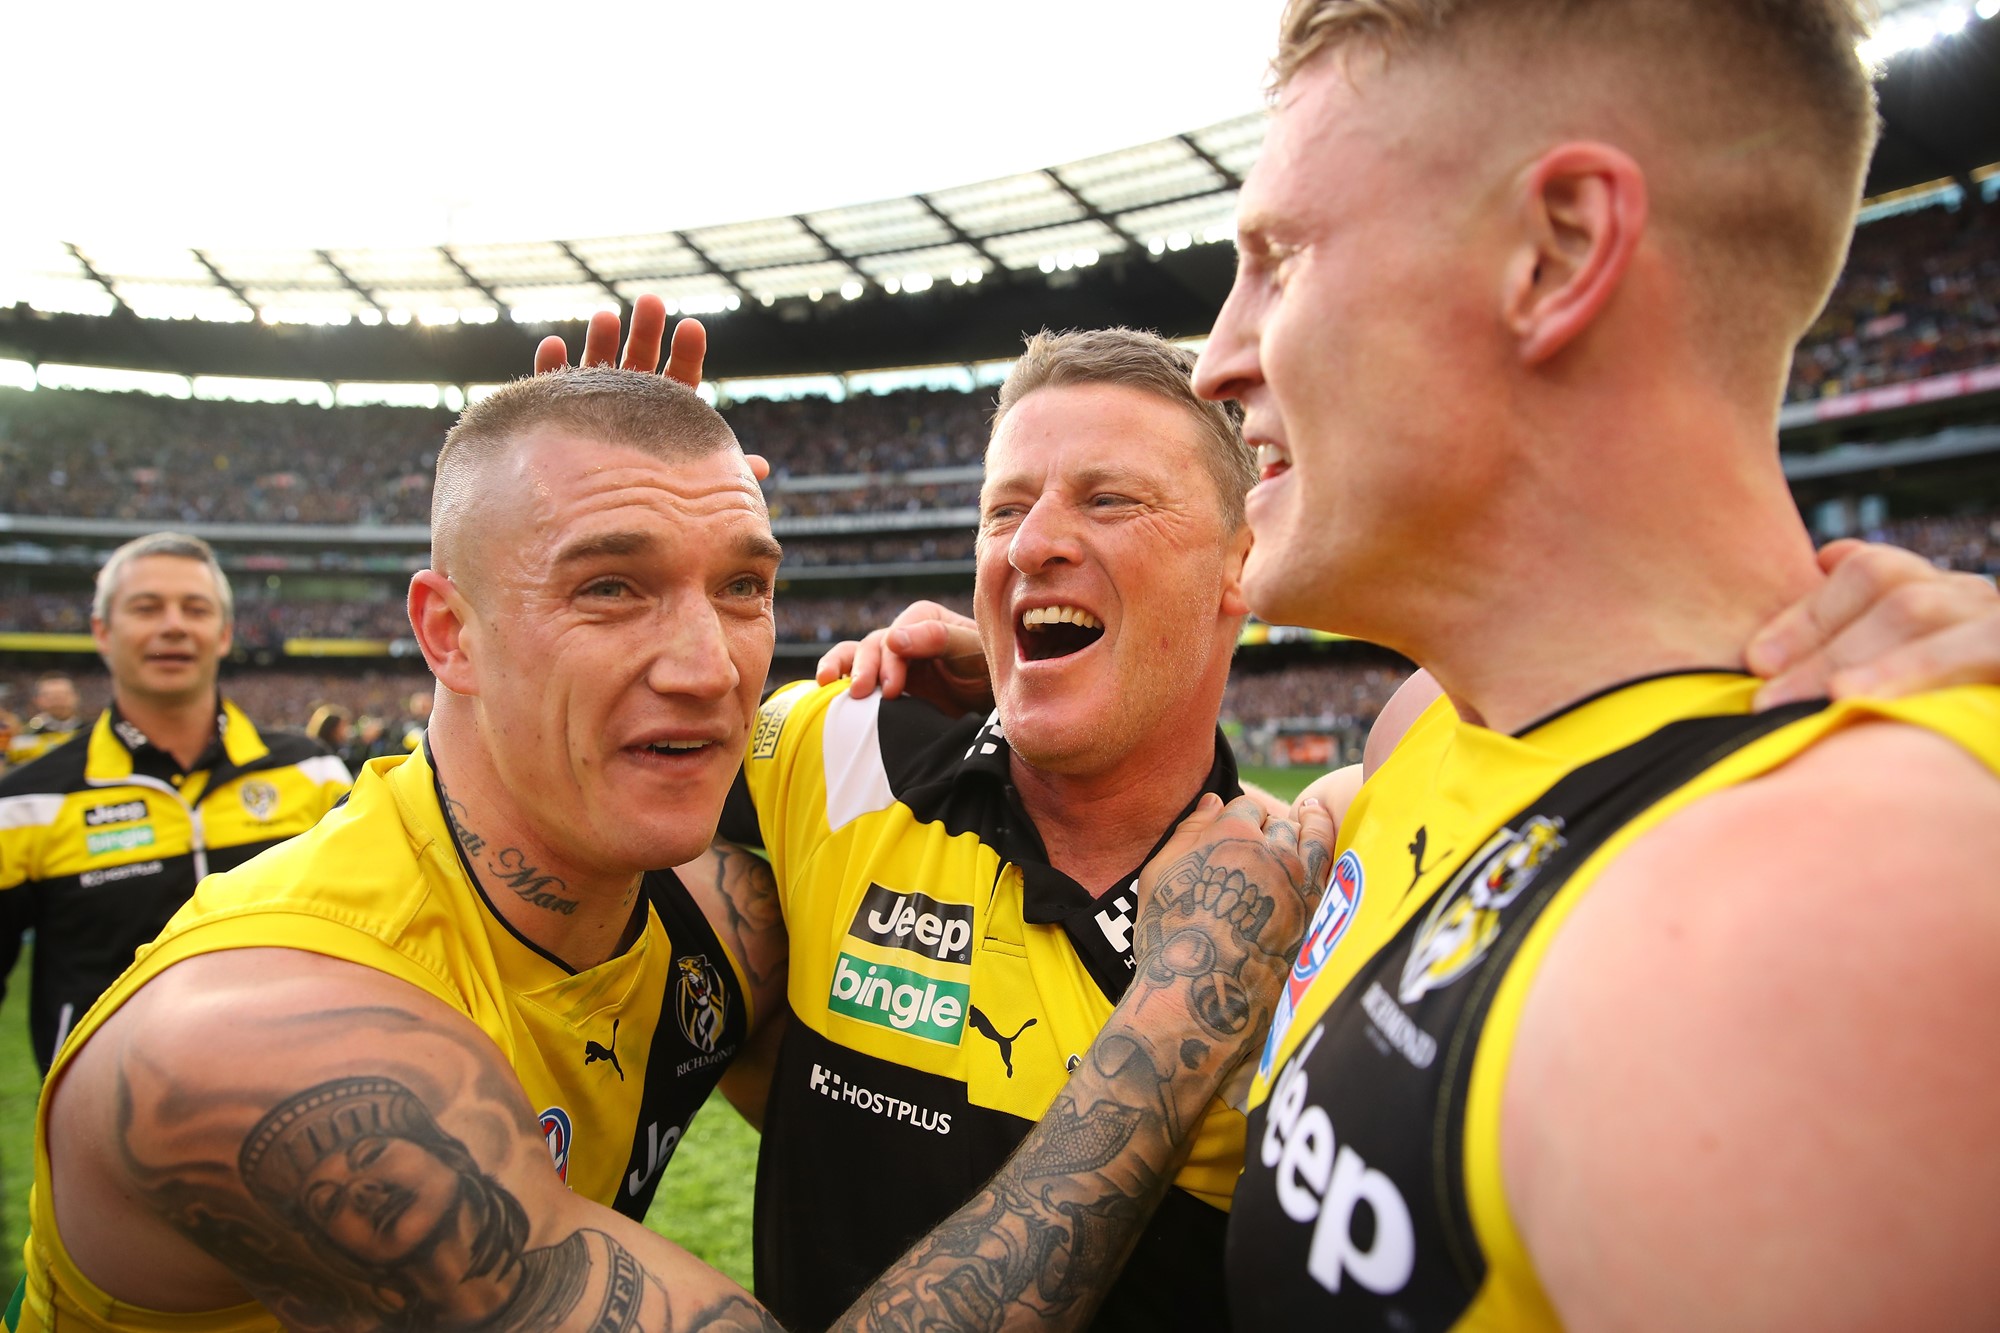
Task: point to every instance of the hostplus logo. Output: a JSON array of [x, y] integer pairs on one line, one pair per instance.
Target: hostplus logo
[[896, 998]]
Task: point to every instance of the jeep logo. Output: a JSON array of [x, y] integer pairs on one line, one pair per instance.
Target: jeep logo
[[124, 812], [916, 922]]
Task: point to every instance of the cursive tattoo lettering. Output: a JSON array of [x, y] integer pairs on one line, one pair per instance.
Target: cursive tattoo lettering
[[509, 866]]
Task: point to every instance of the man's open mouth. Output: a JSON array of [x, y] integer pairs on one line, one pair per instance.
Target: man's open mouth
[[1046, 632]]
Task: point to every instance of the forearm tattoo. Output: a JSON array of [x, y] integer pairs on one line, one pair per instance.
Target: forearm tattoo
[[509, 867], [348, 1208], [1043, 1242]]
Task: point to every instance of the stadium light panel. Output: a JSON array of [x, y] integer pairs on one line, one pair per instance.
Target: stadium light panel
[[1987, 9], [242, 389], [849, 291], [17, 375], [103, 379], [398, 315], [371, 317], [454, 398], [437, 314], [892, 285], [362, 393]]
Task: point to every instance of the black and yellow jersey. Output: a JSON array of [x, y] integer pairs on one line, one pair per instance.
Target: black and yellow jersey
[[1371, 1197], [102, 840], [617, 1059], [943, 978], [42, 734]]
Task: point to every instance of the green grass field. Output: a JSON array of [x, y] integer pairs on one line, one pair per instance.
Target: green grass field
[[704, 1198]]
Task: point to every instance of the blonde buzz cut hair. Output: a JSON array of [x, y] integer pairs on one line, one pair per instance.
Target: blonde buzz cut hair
[[1767, 102]]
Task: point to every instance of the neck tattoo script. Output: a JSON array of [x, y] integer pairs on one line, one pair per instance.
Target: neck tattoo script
[[509, 866]]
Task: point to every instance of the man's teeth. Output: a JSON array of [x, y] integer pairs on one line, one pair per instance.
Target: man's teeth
[[1270, 455], [1060, 615], [677, 745]]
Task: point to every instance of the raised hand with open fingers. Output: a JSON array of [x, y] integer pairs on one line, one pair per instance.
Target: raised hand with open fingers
[[686, 352]]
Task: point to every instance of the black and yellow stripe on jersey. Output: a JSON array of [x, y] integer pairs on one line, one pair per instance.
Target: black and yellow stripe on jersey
[[1371, 1198], [617, 1058], [102, 840], [943, 976]]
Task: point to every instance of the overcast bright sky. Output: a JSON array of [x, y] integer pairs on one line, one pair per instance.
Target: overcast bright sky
[[422, 122]]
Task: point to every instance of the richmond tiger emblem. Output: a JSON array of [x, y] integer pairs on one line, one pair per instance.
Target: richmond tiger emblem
[[703, 1003]]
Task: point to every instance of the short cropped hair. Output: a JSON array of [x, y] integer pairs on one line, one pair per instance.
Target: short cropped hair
[[1135, 359], [177, 544], [1779, 83], [650, 413]]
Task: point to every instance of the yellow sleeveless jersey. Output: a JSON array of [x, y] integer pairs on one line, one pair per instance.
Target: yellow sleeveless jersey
[[618, 1058], [943, 977], [1371, 1195]]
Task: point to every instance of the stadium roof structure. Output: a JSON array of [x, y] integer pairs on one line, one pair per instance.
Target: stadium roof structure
[[952, 276]]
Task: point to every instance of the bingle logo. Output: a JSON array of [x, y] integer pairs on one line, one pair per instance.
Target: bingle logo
[[893, 998], [916, 922], [124, 812]]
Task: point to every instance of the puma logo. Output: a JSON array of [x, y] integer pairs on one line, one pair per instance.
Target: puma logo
[[984, 1026], [1417, 867], [592, 1052]]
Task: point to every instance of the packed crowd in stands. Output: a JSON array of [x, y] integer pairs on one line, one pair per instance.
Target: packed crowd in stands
[[893, 432], [1970, 543], [818, 552], [805, 615], [265, 624], [1318, 695], [1920, 296], [803, 618], [1324, 695], [875, 500], [97, 455]]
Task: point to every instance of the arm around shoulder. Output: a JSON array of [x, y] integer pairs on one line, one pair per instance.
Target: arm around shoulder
[[1753, 1085]]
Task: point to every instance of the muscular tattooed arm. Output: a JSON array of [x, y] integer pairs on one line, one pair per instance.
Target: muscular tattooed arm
[[1223, 908], [740, 898], [277, 1126]]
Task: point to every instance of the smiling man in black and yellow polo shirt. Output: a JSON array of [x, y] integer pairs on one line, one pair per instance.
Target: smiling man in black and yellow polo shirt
[[103, 839], [960, 892]]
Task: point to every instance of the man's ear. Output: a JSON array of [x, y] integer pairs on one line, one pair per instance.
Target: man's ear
[[1583, 209], [1236, 550], [438, 615]]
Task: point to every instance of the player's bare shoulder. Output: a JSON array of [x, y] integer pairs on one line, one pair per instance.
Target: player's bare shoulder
[[1779, 997]]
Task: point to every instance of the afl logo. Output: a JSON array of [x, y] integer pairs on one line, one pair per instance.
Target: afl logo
[[1335, 914], [703, 1003], [260, 798], [556, 1129]]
